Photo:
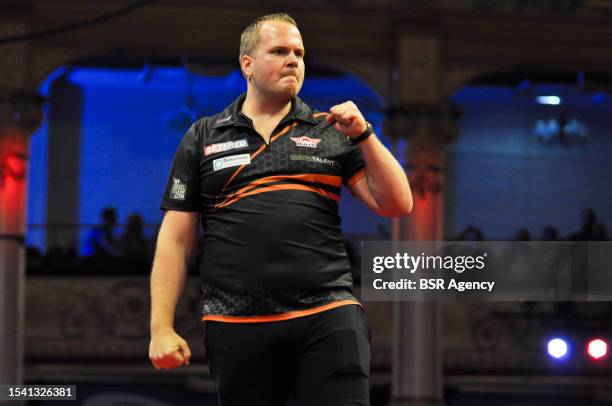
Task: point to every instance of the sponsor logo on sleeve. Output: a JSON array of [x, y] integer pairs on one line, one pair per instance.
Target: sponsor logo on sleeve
[[179, 189], [305, 141], [229, 161], [224, 146]]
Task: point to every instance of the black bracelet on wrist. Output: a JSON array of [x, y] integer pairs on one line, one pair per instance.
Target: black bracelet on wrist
[[364, 135]]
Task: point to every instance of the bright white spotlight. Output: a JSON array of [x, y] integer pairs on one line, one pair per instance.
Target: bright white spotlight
[[557, 348], [550, 100], [597, 348]]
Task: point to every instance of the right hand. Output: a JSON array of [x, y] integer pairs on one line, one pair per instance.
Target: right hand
[[168, 350]]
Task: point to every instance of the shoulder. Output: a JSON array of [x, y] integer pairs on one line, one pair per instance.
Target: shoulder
[[309, 113], [319, 116], [328, 130], [209, 123], [204, 127]]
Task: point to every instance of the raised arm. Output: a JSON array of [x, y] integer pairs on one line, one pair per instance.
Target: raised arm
[[385, 188]]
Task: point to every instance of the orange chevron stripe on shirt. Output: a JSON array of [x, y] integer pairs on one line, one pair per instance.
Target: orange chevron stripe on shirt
[[259, 150], [274, 188], [331, 180]]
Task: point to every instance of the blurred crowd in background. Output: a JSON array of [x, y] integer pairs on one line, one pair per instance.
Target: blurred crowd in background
[[114, 249]]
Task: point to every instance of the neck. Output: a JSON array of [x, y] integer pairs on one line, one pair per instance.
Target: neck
[[256, 106]]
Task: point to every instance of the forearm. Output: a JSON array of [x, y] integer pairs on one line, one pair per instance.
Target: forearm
[[167, 281], [386, 179]]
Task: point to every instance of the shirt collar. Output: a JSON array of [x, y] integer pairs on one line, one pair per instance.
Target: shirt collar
[[232, 115]]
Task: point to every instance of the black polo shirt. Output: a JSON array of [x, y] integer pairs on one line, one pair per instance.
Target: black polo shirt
[[272, 240]]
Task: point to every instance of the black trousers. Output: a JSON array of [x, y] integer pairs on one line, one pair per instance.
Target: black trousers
[[317, 360]]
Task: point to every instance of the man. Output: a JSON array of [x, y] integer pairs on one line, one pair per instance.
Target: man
[[101, 242], [279, 316]]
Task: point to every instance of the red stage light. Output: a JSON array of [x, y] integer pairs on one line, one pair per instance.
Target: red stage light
[[597, 348]]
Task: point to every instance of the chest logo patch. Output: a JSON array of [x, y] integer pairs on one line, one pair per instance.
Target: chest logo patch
[[224, 146], [315, 159], [305, 141], [229, 161]]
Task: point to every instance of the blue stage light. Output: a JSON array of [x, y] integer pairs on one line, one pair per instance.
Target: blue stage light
[[550, 100], [558, 348]]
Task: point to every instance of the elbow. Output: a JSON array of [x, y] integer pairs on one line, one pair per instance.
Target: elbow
[[409, 203], [396, 213], [406, 202], [404, 206], [401, 209]]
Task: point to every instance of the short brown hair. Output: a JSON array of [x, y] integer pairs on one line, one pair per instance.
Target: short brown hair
[[250, 36]]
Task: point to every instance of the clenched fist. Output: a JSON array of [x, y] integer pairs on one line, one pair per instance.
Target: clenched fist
[[168, 350], [348, 119]]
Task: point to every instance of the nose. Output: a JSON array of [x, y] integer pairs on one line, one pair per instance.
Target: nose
[[292, 59]]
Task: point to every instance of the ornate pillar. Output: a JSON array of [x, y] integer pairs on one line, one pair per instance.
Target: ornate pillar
[[417, 370], [428, 128], [65, 115], [429, 124], [20, 115]]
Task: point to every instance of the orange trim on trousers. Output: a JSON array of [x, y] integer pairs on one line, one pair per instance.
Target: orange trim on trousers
[[282, 316]]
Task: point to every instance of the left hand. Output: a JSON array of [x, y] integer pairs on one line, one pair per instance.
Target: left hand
[[348, 119]]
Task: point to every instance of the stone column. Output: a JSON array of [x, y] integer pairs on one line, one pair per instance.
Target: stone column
[[63, 166], [417, 369], [20, 115], [419, 114]]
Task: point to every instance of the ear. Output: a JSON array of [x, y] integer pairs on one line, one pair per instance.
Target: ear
[[246, 63]]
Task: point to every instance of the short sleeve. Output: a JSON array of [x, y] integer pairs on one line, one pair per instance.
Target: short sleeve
[[182, 190], [353, 165]]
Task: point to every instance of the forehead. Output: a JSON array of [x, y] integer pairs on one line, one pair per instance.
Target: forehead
[[273, 33]]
